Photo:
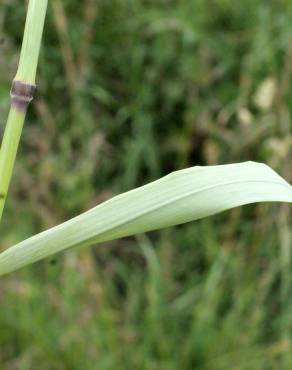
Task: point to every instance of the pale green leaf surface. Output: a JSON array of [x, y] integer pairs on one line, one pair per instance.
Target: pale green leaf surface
[[180, 197]]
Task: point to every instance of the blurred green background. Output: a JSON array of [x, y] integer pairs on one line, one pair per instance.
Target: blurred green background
[[130, 90]]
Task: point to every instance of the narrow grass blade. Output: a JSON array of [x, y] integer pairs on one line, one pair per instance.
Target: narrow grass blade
[[180, 197]]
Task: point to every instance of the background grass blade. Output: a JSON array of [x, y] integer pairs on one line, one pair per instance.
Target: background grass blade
[[180, 197]]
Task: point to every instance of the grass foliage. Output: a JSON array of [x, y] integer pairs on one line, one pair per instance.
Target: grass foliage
[[129, 91]]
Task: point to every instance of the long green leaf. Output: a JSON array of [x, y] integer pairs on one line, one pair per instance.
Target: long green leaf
[[180, 197]]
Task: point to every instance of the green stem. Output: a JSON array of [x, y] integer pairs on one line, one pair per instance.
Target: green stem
[[22, 91], [8, 151]]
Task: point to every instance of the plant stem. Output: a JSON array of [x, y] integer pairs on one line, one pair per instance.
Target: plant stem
[[22, 92]]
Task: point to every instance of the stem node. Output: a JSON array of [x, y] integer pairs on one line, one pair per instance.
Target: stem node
[[22, 94]]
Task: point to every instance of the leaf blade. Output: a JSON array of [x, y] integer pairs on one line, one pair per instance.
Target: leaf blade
[[180, 197]]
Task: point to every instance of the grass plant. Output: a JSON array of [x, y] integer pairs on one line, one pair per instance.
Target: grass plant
[[178, 198], [160, 86]]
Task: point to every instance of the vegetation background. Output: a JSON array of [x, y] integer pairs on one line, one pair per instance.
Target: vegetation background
[[130, 90]]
